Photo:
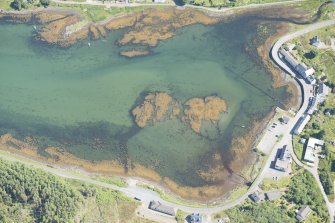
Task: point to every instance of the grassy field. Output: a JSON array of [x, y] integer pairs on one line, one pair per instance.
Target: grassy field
[[270, 184], [5, 4]]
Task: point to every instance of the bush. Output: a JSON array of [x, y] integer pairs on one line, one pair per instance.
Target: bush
[[45, 2], [19, 4]]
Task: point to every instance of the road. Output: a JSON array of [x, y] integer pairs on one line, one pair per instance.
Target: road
[[306, 89], [109, 4], [146, 195]]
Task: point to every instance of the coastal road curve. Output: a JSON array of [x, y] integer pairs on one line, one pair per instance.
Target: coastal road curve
[[146, 195], [306, 89]]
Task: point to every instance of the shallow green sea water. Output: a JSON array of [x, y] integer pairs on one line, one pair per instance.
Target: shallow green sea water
[[70, 97]]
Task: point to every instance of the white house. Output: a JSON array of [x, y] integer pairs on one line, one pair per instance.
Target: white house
[[310, 155]]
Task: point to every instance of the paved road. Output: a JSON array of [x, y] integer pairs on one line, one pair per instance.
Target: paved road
[[306, 94], [109, 4]]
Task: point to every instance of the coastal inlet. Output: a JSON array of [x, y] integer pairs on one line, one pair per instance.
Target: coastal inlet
[[173, 116]]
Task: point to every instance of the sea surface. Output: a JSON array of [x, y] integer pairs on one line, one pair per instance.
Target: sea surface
[[80, 99]]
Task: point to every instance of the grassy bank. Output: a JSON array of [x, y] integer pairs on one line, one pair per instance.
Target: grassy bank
[[100, 13], [269, 184], [112, 180]]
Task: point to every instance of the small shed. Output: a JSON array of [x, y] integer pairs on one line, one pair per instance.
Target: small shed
[[257, 197], [159, 207], [303, 213]]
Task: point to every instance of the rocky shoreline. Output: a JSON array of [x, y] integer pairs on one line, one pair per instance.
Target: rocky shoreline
[[147, 27]]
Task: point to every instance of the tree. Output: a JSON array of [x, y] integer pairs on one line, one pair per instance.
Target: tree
[[45, 2], [19, 4]]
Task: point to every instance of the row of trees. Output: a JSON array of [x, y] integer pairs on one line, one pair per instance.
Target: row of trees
[[35, 195], [24, 4]]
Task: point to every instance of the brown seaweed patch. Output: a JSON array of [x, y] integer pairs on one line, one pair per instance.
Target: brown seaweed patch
[[153, 109], [156, 25], [204, 109], [158, 105], [134, 53]]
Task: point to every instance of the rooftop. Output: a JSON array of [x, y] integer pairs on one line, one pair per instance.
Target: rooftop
[[303, 213], [312, 142], [282, 164], [257, 197], [157, 206], [309, 154], [301, 124]]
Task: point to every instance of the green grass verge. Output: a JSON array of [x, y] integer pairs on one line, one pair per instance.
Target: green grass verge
[[270, 184], [5, 4], [112, 180], [298, 147]]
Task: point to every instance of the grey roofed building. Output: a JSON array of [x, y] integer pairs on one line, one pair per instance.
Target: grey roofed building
[[303, 212], [289, 58], [272, 195], [257, 197], [322, 92], [302, 122], [301, 68], [157, 206], [284, 153], [312, 106], [282, 165], [195, 218]]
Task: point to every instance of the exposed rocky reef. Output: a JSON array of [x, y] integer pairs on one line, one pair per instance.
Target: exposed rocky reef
[[157, 106], [134, 53]]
